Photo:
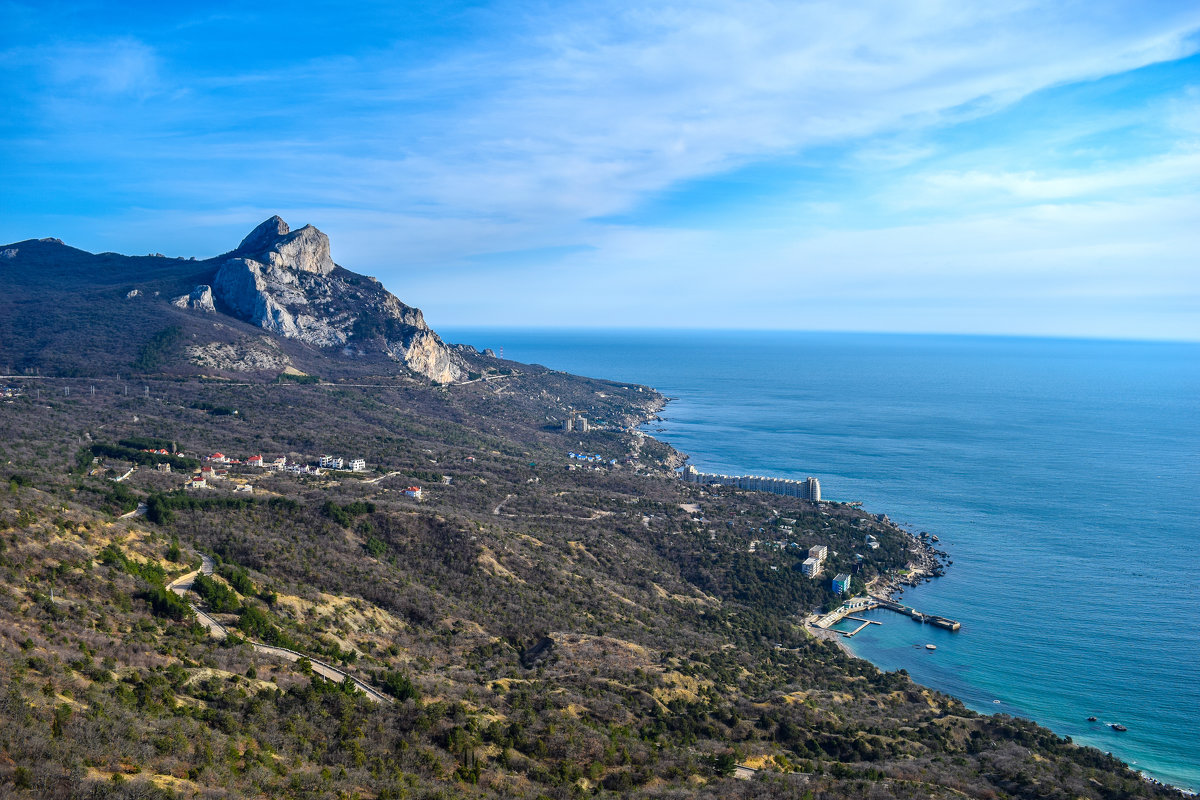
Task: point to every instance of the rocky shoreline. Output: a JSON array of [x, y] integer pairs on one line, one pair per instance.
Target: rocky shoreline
[[928, 563]]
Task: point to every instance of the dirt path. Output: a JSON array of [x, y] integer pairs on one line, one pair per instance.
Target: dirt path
[[183, 584]]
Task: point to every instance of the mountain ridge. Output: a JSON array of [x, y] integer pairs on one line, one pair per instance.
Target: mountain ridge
[[277, 299]]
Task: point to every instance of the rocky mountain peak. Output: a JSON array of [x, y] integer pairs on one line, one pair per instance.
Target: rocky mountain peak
[[262, 237], [284, 281], [276, 244]]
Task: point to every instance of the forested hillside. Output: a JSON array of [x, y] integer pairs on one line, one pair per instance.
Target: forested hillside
[[544, 626]]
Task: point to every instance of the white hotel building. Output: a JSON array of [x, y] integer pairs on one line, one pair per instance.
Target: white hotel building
[[808, 489]]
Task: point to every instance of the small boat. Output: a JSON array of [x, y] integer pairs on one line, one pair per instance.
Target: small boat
[[1116, 726], [931, 647], [1091, 719]]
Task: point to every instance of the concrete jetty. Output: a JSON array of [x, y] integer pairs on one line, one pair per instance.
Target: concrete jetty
[[865, 623], [917, 616], [867, 603]]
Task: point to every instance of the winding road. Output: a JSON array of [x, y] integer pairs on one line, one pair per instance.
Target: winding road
[[183, 584]]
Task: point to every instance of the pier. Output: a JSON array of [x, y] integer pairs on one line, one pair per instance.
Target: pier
[[865, 623], [867, 603]]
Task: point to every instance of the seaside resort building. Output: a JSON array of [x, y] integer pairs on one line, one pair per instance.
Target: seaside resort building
[[808, 489]]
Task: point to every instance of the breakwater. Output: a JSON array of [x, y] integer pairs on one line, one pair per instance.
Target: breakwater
[[930, 619]]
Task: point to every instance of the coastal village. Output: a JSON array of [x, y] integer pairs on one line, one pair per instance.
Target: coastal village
[[850, 592], [237, 474], [216, 470]]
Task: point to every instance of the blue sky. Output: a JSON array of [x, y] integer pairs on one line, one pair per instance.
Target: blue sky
[[1015, 168]]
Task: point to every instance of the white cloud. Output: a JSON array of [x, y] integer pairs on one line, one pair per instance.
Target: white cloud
[[1171, 171], [1106, 269], [122, 66], [602, 111], [584, 113]]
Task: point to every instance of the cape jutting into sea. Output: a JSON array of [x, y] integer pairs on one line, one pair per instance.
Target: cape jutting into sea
[[1062, 476]]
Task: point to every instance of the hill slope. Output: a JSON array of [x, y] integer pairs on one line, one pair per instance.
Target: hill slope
[[545, 631]]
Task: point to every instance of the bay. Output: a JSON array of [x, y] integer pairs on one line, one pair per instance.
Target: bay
[[1062, 476]]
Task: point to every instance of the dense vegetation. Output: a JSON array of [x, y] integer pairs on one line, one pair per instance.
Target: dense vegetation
[[543, 631]]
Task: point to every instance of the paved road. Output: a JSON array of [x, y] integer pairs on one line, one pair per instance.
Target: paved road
[[500, 505], [140, 511], [381, 477], [183, 584]]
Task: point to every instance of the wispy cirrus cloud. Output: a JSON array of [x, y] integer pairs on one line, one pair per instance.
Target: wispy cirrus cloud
[[435, 139]]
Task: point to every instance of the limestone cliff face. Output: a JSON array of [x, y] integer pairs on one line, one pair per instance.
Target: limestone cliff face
[[425, 353], [286, 282]]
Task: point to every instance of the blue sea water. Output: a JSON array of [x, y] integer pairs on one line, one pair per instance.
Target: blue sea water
[[1062, 476]]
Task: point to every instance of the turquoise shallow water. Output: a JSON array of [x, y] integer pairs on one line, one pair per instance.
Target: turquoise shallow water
[[1062, 476]]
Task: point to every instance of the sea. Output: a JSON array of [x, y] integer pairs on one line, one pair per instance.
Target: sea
[[1061, 476]]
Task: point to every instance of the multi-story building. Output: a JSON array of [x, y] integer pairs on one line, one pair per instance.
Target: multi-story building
[[818, 551], [841, 583], [811, 567], [809, 489], [358, 465]]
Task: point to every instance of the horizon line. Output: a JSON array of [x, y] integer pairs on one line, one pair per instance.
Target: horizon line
[[833, 331]]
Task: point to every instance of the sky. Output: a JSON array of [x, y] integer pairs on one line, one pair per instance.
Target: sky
[[1027, 168]]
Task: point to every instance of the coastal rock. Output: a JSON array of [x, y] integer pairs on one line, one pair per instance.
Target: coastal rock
[[285, 282], [200, 299]]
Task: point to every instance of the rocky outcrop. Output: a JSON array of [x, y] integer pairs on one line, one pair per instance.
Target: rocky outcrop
[[305, 250], [200, 299], [425, 353], [244, 356], [286, 282]]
